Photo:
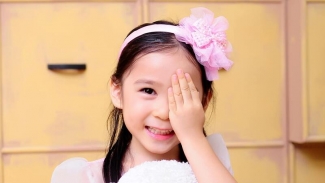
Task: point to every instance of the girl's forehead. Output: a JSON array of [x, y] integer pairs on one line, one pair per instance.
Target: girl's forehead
[[161, 65], [166, 62]]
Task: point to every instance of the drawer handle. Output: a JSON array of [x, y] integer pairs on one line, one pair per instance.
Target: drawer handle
[[66, 66]]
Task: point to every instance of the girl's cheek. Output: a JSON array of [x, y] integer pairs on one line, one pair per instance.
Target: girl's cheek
[[142, 101]]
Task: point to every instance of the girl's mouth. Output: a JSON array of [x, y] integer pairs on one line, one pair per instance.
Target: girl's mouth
[[159, 131], [159, 134]]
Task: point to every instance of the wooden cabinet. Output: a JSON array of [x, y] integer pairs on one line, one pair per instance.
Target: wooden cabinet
[[49, 116], [250, 97], [306, 76], [272, 98]]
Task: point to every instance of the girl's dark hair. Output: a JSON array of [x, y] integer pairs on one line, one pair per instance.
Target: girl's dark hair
[[120, 137]]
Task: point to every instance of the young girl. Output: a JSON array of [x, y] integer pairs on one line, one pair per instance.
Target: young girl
[[161, 88]]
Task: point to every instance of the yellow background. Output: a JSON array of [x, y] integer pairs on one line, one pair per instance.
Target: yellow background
[[270, 107]]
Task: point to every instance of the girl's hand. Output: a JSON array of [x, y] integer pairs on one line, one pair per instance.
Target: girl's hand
[[186, 113]]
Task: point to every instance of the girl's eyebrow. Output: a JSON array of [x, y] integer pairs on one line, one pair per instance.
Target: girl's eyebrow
[[145, 81]]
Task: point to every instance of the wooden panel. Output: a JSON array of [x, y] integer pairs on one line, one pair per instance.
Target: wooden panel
[[305, 76], [34, 1], [309, 164], [316, 69], [37, 168], [46, 108], [1, 130], [249, 97], [200, 1], [158, 0], [296, 54], [259, 165]]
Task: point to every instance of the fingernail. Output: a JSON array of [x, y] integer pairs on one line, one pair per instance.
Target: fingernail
[[188, 77], [174, 77], [170, 90], [179, 71]]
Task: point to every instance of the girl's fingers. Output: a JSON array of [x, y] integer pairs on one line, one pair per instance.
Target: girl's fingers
[[185, 89], [194, 93], [177, 90], [171, 100]]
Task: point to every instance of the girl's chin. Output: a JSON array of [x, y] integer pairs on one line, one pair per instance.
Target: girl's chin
[[164, 152]]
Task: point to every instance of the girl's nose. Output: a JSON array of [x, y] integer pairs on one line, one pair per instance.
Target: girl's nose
[[161, 109]]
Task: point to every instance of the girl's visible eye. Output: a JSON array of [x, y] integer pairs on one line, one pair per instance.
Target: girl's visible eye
[[148, 91]]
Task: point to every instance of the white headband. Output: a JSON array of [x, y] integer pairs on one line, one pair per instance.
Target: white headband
[[204, 33]]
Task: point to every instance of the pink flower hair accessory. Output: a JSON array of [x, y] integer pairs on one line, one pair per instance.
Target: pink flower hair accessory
[[204, 33], [207, 36]]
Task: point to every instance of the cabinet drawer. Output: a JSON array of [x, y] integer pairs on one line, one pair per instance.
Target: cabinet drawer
[[46, 108]]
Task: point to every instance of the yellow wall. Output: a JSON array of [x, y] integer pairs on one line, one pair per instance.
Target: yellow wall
[[270, 107]]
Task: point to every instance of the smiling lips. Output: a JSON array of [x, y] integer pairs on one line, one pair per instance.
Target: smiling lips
[[160, 134], [159, 131]]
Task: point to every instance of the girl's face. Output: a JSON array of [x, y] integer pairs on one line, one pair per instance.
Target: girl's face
[[143, 100]]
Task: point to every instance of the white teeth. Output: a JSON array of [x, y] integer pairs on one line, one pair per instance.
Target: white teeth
[[159, 132]]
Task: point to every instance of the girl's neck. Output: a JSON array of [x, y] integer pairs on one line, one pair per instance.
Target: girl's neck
[[137, 154]]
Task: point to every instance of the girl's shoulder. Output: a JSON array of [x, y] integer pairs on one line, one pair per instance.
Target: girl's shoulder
[[78, 170]]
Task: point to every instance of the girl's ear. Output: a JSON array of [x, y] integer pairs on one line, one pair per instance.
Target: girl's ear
[[116, 94]]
